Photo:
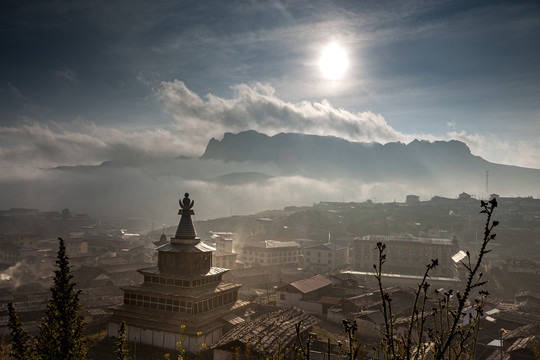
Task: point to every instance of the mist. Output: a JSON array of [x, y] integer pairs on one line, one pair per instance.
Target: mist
[[151, 190]]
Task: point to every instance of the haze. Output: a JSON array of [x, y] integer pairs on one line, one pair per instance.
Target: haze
[[140, 84]]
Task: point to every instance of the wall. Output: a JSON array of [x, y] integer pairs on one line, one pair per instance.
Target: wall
[[165, 339]]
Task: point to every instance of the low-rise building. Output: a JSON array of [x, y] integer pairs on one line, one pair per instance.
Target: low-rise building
[[9, 254], [224, 259], [412, 199], [305, 294], [325, 257], [272, 253], [265, 227], [406, 255], [264, 336], [224, 240], [26, 240]]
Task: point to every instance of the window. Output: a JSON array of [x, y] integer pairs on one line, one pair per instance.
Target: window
[[282, 297]]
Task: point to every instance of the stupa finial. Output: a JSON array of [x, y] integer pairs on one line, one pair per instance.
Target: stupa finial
[[186, 205], [186, 230]]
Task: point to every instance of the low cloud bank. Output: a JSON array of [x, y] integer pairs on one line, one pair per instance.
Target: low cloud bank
[[146, 175], [34, 145], [152, 192]]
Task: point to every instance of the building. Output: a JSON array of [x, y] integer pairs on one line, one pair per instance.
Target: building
[[272, 253], [224, 259], [183, 289], [25, 240], [412, 199], [250, 277], [265, 336], [325, 257], [305, 294], [9, 254], [406, 255], [265, 227], [224, 241]]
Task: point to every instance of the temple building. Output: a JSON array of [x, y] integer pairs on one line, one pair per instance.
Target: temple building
[[183, 298]]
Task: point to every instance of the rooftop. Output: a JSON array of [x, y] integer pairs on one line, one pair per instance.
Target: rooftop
[[327, 247], [269, 332], [310, 284], [390, 238]]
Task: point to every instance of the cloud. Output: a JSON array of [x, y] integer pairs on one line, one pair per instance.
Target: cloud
[[35, 144], [68, 74], [256, 106], [31, 145], [518, 152], [16, 92], [152, 191]]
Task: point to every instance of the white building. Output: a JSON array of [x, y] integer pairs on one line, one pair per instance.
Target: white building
[[325, 257], [224, 241], [272, 253]]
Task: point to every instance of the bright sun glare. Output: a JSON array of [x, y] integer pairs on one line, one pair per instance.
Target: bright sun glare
[[333, 62]]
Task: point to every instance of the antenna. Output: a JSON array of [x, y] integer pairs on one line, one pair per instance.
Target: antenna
[[487, 184]]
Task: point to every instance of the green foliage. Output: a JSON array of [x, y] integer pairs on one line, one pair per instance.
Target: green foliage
[[20, 340], [61, 330], [122, 351]]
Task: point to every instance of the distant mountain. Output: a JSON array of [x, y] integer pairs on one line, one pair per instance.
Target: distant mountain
[[328, 157], [250, 172]]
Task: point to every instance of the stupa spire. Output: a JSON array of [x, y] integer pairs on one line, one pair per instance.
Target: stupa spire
[[185, 233]]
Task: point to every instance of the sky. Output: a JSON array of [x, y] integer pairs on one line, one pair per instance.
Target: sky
[[82, 82]]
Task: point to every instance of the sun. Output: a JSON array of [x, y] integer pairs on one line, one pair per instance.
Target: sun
[[333, 62]]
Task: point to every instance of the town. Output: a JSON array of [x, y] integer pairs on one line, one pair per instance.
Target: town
[[224, 282]]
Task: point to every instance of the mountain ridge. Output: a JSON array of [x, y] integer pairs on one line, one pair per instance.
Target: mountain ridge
[[250, 172], [305, 153]]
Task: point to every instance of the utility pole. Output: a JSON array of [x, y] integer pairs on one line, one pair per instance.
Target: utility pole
[[487, 184]]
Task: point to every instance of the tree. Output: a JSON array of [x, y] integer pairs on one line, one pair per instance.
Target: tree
[[438, 327], [452, 333], [20, 340], [61, 330], [122, 352]]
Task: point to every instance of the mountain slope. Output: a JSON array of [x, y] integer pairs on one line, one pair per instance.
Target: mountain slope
[[437, 163]]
